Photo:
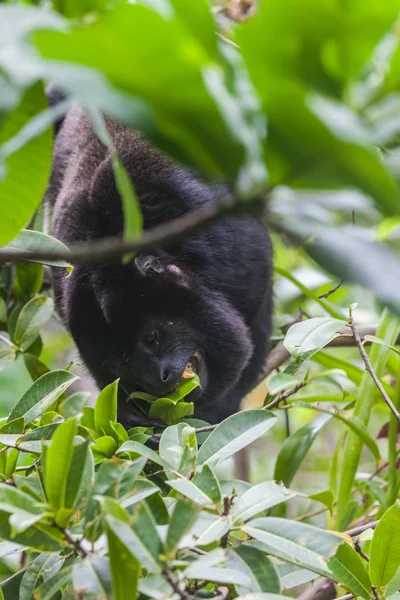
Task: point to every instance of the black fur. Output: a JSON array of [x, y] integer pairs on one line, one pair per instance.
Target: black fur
[[210, 294]]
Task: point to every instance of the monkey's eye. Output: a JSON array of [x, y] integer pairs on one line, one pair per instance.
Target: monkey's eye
[[152, 337]]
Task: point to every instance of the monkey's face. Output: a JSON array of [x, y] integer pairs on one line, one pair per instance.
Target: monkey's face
[[163, 350]]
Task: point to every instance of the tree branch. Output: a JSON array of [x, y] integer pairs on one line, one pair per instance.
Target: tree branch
[[370, 368], [112, 248]]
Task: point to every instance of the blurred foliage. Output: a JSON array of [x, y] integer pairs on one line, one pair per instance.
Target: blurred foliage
[[297, 104]]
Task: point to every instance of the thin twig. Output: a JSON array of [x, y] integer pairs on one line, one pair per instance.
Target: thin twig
[[369, 367], [331, 291], [228, 500], [169, 576], [359, 530], [311, 514], [284, 395], [112, 248]]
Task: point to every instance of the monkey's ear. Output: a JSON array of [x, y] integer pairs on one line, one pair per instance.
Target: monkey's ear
[[149, 264]]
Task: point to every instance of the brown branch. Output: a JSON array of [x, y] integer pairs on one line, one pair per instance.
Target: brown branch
[[279, 355], [359, 530], [112, 248], [370, 368], [331, 291], [169, 576], [283, 395]]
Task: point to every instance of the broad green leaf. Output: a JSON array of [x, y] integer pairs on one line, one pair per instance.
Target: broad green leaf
[[385, 547], [36, 241], [41, 395], [214, 532], [115, 480], [73, 404], [54, 583], [353, 423], [253, 562], [91, 576], [104, 447], [170, 411], [307, 337], [57, 463], [80, 475], [348, 568], [233, 434], [326, 497], [298, 543], [125, 569], [295, 448], [144, 525], [33, 316], [171, 445], [133, 544], [280, 382], [143, 489], [133, 219], [39, 536], [376, 340], [136, 449], [106, 409], [190, 490], [28, 280], [21, 195], [183, 516], [34, 366], [37, 569], [211, 568], [208, 483], [258, 498]]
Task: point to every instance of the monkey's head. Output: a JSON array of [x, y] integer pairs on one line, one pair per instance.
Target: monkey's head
[[159, 320]]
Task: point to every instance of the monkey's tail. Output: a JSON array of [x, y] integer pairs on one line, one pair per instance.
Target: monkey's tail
[[54, 98]]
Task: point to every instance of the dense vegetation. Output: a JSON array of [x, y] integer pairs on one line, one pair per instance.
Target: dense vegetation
[[299, 106]]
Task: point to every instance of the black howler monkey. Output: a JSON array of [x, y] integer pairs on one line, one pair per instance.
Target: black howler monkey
[[206, 299]]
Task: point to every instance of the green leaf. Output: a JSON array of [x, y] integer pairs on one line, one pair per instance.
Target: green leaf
[[208, 567], [170, 411], [136, 449], [208, 483], [36, 241], [295, 448], [33, 316], [54, 583], [57, 463], [385, 547], [91, 576], [348, 568], [133, 544], [34, 366], [133, 219], [28, 280], [171, 445], [38, 568], [326, 497], [125, 569], [41, 395], [352, 423], [115, 480], [215, 530], [234, 433], [298, 543], [253, 562], [182, 518], [308, 337], [191, 491], [104, 447], [258, 498], [106, 409], [21, 195], [73, 405]]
